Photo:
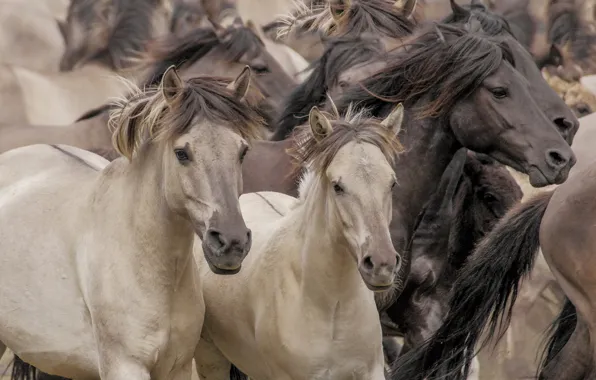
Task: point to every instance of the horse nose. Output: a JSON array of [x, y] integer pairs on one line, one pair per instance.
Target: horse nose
[[378, 271], [559, 159], [229, 242]]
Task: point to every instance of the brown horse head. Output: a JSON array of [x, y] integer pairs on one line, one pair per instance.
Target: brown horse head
[[111, 32], [221, 52], [546, 98]]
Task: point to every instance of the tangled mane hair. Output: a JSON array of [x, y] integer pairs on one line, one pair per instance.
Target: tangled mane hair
[[233, 43], [341, 53], [441, 65], [317, 155], [379, 17], [146, 117]]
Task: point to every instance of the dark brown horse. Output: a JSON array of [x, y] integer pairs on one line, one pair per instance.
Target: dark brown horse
[[472, 196]]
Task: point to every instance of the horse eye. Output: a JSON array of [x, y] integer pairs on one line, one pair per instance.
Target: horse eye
[[343, 84], [260, 69], [181, 155], [243, 153], [338, 189], [499, 92], [488, 197]]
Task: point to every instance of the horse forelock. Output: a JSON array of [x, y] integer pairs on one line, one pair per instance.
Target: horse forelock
[[316, 156], [145, 116]]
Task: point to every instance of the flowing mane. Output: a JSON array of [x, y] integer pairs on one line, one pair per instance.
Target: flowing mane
[[145, 116], [341, 53], [443, 63], [379, 17], [234, 42], [492, 23], [317, 155]]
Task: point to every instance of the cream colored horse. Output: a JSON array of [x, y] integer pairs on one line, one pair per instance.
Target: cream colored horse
[[98, 279], [303, 305]]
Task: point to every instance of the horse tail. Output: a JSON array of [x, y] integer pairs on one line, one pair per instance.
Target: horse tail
[[25, 371], [484, 292], [236, 374], [558, 334], [22, 370]]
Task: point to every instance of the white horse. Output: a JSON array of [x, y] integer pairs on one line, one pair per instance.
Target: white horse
[[303, 305], [98, 278]]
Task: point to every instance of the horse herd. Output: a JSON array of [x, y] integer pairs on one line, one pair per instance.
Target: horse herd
[[259, 216]]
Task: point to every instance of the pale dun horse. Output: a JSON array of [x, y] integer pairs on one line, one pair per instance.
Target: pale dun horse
[[98, 279], [303, 306]]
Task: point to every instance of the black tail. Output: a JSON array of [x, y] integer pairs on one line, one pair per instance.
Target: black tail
[[25, 371], [559, 333], [22, 370], [236, 374], [484, 292]]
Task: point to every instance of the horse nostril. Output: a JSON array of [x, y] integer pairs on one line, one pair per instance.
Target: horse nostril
[[397, 261], [564, 124], [248, 236], [367, 263], [556, 158], [216, 239]]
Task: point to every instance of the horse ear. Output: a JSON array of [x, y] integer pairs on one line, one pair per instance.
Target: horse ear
[[338, 8], [319, 124], [395, 119], [62, 28], [241, 84], [406, 6], [459, 12], [171, 84]]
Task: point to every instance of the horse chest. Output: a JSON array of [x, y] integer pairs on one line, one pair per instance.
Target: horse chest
[[341, 345]]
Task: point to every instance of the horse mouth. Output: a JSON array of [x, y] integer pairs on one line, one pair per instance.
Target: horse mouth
[[378, 288], [222, 271]]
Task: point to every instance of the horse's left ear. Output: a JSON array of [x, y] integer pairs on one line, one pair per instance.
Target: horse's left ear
[[171, 84], [395, 119], [319, 124], [406, 6], [241, 84]]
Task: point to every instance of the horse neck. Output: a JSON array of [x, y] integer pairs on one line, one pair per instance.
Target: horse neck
[[429, 147], [160, 237], [328, 273]]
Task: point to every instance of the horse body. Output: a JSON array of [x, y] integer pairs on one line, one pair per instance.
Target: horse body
[[139, 264], [60, 98], [302, 307], [288, 331]]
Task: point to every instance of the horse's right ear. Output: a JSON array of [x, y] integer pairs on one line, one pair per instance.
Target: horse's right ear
[[171, 84], [338, 8], [395, 119], [62, 29], [241, 84], [319, 124]]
